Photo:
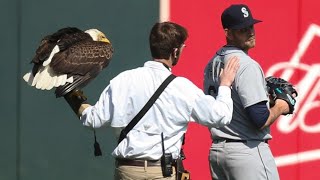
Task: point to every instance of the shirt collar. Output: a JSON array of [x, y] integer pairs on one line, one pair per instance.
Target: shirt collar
[[156, 65], [228, 49]]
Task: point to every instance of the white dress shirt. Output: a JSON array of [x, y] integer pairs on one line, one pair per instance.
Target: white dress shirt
[[181, 102]]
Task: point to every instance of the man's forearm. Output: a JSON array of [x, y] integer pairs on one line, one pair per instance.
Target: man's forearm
[[277, 110]]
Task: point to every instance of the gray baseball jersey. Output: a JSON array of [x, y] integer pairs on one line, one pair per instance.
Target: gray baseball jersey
[[248, 88]]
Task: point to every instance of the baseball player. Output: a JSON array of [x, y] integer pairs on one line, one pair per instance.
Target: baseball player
[[240, 151]]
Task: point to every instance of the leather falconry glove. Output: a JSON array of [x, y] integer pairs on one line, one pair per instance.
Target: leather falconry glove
[[75, 99]]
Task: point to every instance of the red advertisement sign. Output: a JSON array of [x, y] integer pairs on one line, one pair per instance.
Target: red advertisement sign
[[288, 46]]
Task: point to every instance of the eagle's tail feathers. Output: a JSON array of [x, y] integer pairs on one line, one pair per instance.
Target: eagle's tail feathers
[[61, 80], [36, 77], [53, 82], [43, 80], [46, 79], [28, 77], [70, 79]]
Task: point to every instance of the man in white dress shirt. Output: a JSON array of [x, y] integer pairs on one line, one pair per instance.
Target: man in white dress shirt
[[138, 154]]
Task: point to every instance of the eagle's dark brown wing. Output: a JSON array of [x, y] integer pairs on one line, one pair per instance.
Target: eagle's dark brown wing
[[83, 61], [48, 42]]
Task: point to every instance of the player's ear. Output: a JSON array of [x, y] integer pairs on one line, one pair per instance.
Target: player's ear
[[227, 33]]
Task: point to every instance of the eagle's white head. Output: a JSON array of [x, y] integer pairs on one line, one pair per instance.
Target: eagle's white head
[[97, 35]]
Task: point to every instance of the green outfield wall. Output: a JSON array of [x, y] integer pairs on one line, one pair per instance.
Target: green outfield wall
[[41, 138]]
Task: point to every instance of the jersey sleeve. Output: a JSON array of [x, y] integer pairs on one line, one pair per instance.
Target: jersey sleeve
[[250, 85]]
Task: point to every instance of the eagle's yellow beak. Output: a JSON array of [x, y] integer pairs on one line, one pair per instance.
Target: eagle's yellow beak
[[104, 39]]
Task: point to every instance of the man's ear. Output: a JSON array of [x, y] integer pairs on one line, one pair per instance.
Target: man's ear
[[175, 52]]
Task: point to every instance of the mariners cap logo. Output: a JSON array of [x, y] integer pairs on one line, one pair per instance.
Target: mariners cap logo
[[245, 12]]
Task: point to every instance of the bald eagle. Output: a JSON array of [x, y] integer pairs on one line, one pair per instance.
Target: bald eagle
[[69, 58]]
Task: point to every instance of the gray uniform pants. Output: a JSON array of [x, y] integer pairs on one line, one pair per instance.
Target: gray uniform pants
[[251, 160]]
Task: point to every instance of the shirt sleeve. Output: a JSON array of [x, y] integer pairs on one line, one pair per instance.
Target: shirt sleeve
[[213, 112], [99, 114]]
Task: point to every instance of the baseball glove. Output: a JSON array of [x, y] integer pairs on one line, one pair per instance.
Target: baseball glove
[[279, 88]]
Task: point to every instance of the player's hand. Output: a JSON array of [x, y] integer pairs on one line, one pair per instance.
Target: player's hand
[[282, 105], [229, 71]]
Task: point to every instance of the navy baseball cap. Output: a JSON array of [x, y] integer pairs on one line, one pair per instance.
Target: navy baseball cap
[[237, 16]]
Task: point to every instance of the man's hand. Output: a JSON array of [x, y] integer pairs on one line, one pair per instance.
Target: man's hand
[[229, 71]]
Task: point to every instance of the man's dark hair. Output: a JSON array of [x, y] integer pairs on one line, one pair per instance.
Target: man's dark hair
[[164, 37]]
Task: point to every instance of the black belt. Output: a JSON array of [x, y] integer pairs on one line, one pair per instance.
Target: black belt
[[138, 162], [242, 141], [235, 140]]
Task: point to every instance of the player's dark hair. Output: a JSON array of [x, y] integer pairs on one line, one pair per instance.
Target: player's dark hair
[[164, 37]]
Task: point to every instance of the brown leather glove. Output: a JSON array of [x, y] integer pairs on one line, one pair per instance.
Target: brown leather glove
[[75, 98]]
